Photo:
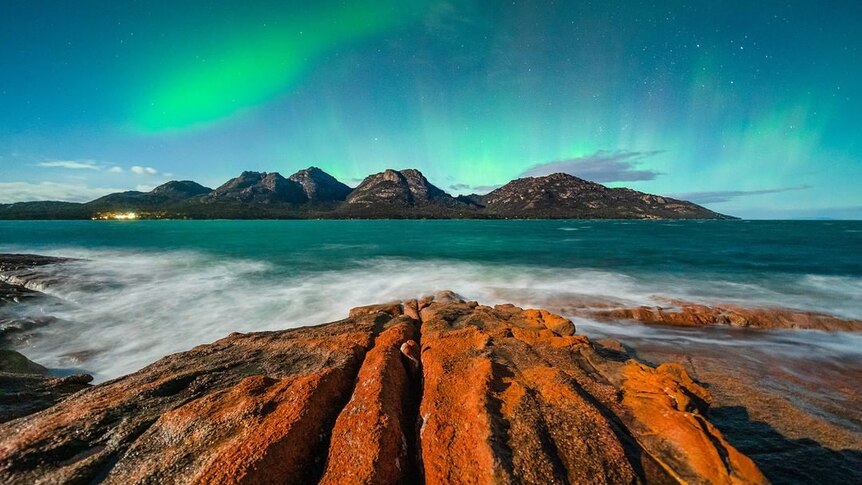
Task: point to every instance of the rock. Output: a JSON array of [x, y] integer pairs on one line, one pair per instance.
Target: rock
[[554, 323], [14, 293], [410, 351], [14, 262], [499, 395], [400, 189], [611, 349], [668, 409], [319, 186], [394, 309], [12, 362], [369, 440], [16, 286], [798, 419], [26, 388], [514, 402], [691, 314]]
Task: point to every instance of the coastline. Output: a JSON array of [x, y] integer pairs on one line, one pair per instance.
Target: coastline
[[772, 424], [275, 404]]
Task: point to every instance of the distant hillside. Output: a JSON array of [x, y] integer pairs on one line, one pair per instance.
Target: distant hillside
[[563, 195], [400, 194]]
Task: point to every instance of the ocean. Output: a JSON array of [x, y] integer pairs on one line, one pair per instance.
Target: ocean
[[144, 289]]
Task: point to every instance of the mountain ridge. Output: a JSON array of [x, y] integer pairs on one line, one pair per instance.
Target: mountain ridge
[[402, 194]]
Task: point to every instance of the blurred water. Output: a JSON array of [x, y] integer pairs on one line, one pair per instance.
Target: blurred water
[[144, 289]]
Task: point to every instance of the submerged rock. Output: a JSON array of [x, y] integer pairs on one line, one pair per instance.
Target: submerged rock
[[681, 313], [499, 395], [12, 262]]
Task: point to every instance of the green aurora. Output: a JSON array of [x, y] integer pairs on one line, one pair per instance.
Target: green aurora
[[750, 108], [256, 64]]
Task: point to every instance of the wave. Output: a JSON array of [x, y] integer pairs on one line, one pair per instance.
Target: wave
[[125, 309]]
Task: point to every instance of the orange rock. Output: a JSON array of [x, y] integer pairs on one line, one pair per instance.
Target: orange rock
[[394, 309], [555, 323], [667, 409], [237, 409], [369, 440], [690, 314], [455, 425], [504, 395], [410, 351]]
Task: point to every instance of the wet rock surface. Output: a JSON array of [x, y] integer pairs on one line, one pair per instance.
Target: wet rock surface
[[688, 314], [499, 395], [26, 387], [800, 421], [18, 284], [12, 262]]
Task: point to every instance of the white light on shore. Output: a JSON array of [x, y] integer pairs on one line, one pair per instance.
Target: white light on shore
[[116, 216]]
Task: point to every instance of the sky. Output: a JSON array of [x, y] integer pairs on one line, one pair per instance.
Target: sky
[[748, 107]]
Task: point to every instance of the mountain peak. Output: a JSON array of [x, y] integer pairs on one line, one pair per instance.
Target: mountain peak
[[398, 187], [260, 187], [564, 195], [562, 176], [180, 189], [320, 186]]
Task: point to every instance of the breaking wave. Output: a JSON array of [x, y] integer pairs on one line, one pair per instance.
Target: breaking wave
[[118, 310]]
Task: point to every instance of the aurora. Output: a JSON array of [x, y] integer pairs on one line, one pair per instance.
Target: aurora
[[256, 64], [757, 103]]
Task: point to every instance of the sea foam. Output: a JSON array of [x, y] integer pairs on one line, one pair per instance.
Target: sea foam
[[122, 310]]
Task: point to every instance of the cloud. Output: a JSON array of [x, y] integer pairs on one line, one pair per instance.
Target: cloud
[[70, 164], [138, 170], [853, 213], [720, 196], [601, 166], [115, 170], [26, 192], [472, 189]]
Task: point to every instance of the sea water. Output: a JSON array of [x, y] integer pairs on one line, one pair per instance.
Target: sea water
[[140, 290]]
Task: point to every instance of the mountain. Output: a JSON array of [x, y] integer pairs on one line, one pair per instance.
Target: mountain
[[403, 194], [404, 188], [155, 200], [562, 195], [258, 188], [319, 186], [400, 194], [44, 210], [182, 189]]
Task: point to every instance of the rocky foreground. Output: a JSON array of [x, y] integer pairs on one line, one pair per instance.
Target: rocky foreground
[[439, 390]]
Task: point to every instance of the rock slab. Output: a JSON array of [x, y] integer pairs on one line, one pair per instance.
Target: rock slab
[[500, 395]]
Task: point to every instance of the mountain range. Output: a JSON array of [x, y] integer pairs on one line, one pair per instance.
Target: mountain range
[[400, 194]]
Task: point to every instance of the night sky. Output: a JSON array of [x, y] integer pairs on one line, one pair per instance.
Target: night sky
[[749, 107]]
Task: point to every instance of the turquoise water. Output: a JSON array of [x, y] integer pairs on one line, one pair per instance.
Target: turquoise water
[[147, 288], [692, 247]]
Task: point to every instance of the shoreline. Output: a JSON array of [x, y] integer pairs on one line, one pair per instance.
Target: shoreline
[[743, 408], [307, 374]]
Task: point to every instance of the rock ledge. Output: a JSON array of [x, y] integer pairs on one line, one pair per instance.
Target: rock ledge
[[499, 395]]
